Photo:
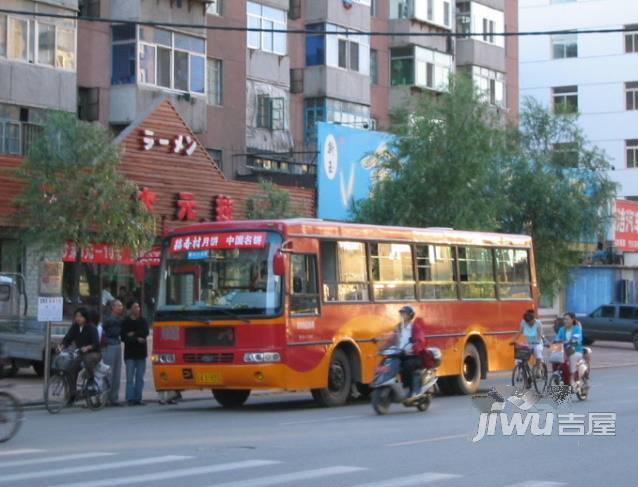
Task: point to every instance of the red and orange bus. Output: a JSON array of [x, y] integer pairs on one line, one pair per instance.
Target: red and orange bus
[[302, 304]]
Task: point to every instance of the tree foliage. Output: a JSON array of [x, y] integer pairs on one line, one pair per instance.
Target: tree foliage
[[73, 191], [455, 164], [443, 157], [272, 203]]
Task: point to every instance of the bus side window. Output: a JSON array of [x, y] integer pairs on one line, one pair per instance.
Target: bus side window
[[476, 273], [304, 298], [344, 271]]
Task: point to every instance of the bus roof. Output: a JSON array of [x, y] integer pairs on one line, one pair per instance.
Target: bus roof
[[308, 227]]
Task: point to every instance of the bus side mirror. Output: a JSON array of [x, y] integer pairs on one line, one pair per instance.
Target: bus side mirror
[[279, 264]]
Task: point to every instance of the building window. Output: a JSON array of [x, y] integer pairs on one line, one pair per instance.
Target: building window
[[374, 8], [88, 104], [43, 43], [631, 149], [165, 59], [296, 80], [264, 17], [374, 66], [631, 94], [217, 156], [215, 81], [346, 49], [214, 7], [270, 112], [446, 14], [314, 111], [564, 46], [294, 9], [491, 84], [565, 99], [345, 275], [631, 39], [123, 56], [565, 154], [392, 271], [89, 8], [418, 66]]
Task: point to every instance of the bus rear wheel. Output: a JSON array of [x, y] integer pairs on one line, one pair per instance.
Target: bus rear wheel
[[469, 380], [230, 398], [339, 382]]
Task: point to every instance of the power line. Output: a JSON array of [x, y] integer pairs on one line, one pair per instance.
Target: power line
[[319, 32]]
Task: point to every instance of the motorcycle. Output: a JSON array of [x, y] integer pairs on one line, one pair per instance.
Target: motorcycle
[[559, 358], [388, 388]]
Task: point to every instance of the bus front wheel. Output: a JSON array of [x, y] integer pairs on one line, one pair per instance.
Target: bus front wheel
[[230, 398], [470, 378], [339, 382]]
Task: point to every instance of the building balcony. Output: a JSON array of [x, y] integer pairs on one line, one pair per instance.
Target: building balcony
[[338, 83], [473, 52], [357, 17], [288, 169], [407, 27]]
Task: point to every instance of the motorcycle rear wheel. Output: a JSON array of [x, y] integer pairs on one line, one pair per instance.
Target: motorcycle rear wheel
[[381, 400], [424, 404], [582, 393]]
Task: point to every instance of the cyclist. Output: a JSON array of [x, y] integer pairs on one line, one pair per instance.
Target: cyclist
[[532, 329]]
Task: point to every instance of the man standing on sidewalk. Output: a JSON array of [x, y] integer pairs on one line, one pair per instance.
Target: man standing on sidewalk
[[112, 327]]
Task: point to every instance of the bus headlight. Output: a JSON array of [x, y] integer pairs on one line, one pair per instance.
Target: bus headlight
[[163, 358], [262, 357]]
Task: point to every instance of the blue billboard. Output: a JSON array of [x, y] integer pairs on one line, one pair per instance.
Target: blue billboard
[[347, 165]]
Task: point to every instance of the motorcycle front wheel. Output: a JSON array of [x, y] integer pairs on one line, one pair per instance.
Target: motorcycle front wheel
[[583, 391], [381, 400]]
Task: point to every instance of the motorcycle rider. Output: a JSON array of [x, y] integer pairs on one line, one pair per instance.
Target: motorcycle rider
[[409, 336], [571, 333]]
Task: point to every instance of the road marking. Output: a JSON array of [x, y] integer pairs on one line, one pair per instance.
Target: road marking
[[424, 478], [173, 474], [61, 458], [90, 468], [324, 420], [18, 452], [430, 440], [537, 483], [291, 477]]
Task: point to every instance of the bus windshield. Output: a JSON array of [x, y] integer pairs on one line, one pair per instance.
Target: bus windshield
[[220, 274]]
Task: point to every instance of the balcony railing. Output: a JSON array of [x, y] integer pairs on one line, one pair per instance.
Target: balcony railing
[[16, 138]]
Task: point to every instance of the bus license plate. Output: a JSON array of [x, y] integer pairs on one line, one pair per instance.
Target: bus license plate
[[209, 378]]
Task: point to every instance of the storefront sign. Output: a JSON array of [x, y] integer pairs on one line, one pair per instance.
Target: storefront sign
[[51, 278], [151, 258], [50, 308], [217, 241], [177, 144], [223, 208], [626, 234], [147, 197]]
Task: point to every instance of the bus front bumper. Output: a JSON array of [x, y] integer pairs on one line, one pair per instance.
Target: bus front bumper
[[197, 376]]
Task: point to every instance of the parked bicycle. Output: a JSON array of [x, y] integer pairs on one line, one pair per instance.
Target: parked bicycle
[[93, 388], [524, 376]]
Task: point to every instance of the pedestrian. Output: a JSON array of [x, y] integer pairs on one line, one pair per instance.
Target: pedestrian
[[83, 335], [112, 329], [134, 335]]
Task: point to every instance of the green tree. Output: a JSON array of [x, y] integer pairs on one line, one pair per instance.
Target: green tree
[[442, 169], [558, 191], [73, 191], [272, 203]]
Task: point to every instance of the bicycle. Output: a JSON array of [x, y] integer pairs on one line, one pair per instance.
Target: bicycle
[[10, 415], [93, 388], [523, 377]]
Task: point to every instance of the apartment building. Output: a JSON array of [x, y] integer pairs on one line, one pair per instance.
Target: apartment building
[[254, 98]]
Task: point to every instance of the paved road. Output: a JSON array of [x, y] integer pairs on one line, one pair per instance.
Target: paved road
[[285, 440]]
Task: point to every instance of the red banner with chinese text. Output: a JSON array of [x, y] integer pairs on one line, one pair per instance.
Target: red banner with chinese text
[[110, 255], [626, 231], [219, 241]]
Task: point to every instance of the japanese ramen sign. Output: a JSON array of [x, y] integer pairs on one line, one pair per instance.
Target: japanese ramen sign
[[219, 241]]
